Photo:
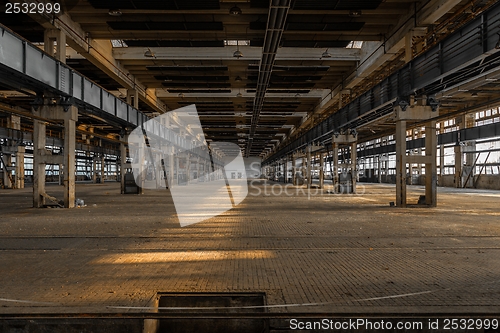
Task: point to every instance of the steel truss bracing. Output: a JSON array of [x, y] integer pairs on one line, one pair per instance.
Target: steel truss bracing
[[469, 53]]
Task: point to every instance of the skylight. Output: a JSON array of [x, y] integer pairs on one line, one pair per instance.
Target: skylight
[[354, 45]]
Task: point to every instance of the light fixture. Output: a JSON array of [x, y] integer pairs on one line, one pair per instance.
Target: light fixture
[[239, 95], [237, 79], [237, 53], [355, 13], [326, 54], [149, 54], [181, 95], [474, 94], [235, 11], [115, 12], [297, 95], [497, 45]]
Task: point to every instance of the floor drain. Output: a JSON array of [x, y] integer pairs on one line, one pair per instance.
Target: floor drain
[[220, 303]]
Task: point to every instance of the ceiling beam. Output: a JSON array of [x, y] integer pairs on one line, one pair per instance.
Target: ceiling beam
[[100, 53], [226, 53]]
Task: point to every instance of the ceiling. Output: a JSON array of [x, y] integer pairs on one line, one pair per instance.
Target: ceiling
[[184, 50]]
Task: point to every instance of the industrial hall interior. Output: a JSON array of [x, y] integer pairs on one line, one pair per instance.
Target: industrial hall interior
[[254, 157]]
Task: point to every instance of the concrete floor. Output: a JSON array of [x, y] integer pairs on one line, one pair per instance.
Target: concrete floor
[[345, 253]]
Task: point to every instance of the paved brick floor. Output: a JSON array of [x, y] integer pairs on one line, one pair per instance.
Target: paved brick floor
[[349, 253]]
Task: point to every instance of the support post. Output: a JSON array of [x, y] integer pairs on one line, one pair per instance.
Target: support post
[[133, 98], [94, 169], [459, 156], [103, 167], [123, 164], [335, 171], [70, 118], [39, 141], [142, 173], [354, 172], [401, 163], [379, 169], [68, 115], [321, 170], [348, 139], [171, 167], [20, 167], [441, 164], [57, 37], [430, 166], [416, 111], [308, 172]]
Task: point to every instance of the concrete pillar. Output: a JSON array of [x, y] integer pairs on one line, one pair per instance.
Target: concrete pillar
[[343, 140], [133, 98], [39, 142], [20, 167], [354, 170], [430, 165], [94, 169], [57, 38], [379, 169], [441, 163], [309, 165], [159, 171], [7, 172], [414, 111], [401, 163], [458, 165], [294, 166], [123, 163], [172, 161], [14, 122], [10, 150], [321, 170], [142, 174], [198, 167], [188, 168], [61, 176], [70, 118], [335, 171], [103, 167], [177, 170], [417, 31], [408, 47]]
